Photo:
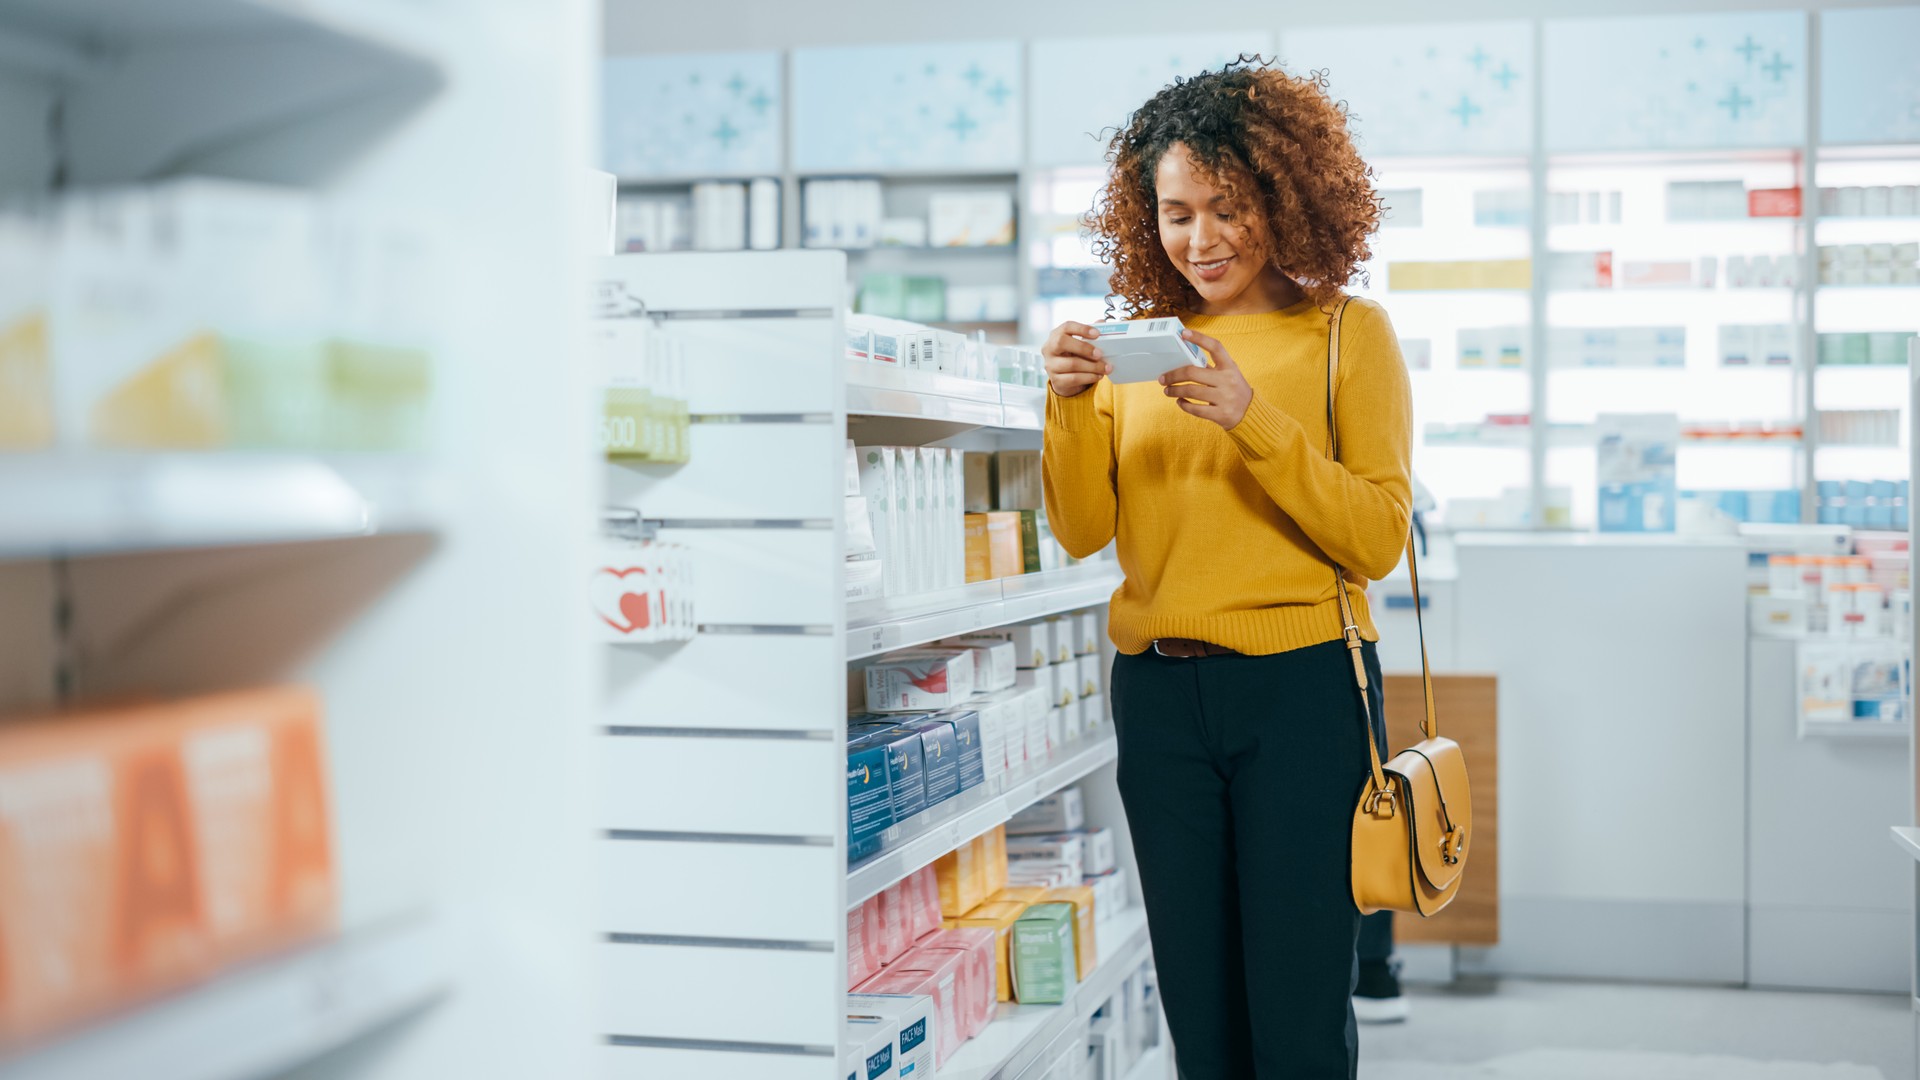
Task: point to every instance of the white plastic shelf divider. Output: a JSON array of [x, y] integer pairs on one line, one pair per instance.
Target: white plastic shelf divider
[[877, 626], [957, 821], [262, 1020], [99, 502], [1021, 1034], [887, 390], [1907, 839]]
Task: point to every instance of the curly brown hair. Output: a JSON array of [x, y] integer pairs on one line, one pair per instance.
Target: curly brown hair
[[1248, 128]]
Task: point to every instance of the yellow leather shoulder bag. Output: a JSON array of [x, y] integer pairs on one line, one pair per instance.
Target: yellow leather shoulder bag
[[1415, 814]]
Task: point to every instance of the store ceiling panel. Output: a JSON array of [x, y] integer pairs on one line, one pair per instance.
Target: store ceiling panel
[[1684, 82], [1072, 114], [911, 108], [692, 115], [1444, 88]]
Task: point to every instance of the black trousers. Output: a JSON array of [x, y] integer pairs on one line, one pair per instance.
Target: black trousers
[[1239, 776]]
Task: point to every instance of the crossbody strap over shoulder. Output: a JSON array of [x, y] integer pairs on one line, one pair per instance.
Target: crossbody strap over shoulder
[[1349, 626]]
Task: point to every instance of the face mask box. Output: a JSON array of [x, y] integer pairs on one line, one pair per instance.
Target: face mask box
[[920, 681], [1044, 971], [977, 948], [931, 975], [969, 744], [911, 1018], [1056, 847], [906, 770], [1063, 811], [1082, 899], [1086, 634], [868, 1043], [1000, 919], [1142, 350], [869, 799], [995, 661]]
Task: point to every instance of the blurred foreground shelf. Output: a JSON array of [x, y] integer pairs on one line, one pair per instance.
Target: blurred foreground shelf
[[261, 1020], [99, 502]]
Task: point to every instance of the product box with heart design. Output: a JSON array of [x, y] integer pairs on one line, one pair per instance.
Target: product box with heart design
[[919, 681], [933, 975], [979, 979]]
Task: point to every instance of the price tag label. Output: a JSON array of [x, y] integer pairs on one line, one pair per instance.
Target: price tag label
[[877, 639]]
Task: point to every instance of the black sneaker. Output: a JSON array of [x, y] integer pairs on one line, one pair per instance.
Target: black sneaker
[[1377, 998]]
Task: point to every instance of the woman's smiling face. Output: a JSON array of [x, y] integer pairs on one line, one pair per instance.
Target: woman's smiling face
[[1204, 233]]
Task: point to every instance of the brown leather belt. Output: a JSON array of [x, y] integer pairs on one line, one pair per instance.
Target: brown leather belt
[[1188, 648]]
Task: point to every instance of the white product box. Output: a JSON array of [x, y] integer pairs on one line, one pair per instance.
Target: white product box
[[1093, 712], [1876, 201], [1089, 675], [920, 487], [1030, 643], [1109, 891], [1777, 616], [1072, 721], [915, 681], [1066, 684], [970, 219], [1003, 728], [954, 526], [1060, 630], [1097, 851], [1039, 709], [1142, 350], [1040, 872], [867, 1044], [1086, 633], [1053, 847], [1904, 200], [880, 486], [1041, 679], [911, 1018], [995, 662], [1063, 811]]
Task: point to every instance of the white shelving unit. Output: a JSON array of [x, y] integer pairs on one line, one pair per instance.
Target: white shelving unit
[[761, 505]]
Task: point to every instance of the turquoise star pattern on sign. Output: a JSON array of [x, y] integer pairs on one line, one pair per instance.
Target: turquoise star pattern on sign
[[999, 92], [759, 102], [1478, 58], [1748, 48], [973, 75], [1777, 67], [1505, 76], [1734, 102], [737, 84], [726, 133], [1466, 110], [1699, 43], [961, 125]]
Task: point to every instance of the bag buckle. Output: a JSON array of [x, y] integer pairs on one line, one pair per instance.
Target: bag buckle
[[1453, 846], [1373, 800]]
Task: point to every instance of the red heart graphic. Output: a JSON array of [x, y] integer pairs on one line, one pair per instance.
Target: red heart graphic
[[633, 606]]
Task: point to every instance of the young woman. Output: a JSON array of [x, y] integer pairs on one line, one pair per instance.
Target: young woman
[[1238, 202]]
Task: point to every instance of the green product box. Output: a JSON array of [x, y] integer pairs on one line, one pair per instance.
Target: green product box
[[1032, 524], [883, 294], [926, 300], [1887, 347], [1043, 962]]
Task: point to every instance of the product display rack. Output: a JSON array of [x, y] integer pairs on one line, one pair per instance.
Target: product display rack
[[760, 503]]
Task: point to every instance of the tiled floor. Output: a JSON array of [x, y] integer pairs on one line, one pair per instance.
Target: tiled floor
[[1515, 1029]]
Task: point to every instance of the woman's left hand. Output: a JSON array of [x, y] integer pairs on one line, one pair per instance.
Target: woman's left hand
[[1218, 393]]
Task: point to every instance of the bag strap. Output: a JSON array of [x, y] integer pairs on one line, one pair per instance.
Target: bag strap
[[1349, 627]]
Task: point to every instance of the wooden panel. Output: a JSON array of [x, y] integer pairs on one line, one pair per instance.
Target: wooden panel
[[1467, 709]]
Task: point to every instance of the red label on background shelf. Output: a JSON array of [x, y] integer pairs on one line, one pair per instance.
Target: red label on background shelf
[[1603, 269], [1773, 202]]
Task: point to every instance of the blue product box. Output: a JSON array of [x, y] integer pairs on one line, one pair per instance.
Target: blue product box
[[869, 800], [941, 756], [1637, 507], [906, 769], [966, 734]]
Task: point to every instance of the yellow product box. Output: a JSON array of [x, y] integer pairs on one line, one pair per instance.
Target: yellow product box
[[998, 917], [982, 857], [997, 858], [1081, 897], [1004, 553], [962, 885], [1019, 894], [1463, 274], [979, 558]]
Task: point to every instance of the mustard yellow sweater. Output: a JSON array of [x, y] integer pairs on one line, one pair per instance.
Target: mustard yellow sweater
[[1224, 535]]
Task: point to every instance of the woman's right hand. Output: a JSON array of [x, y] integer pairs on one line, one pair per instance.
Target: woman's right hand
[[1074, 362]]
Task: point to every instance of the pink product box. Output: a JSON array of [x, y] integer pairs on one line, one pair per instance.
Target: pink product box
[[886, 935], [861, 964], [936, 975], [922, 889], [978, 948]]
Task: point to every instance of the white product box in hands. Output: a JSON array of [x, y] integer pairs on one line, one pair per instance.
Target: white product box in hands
[[1142, 350]]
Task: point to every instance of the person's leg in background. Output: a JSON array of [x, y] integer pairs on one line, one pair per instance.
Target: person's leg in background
[[1376, 995], [1175, 796], [1297, 758]]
